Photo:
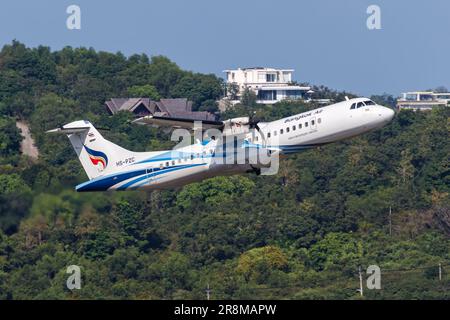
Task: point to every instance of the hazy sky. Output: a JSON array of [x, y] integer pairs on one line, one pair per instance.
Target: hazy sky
[[325, 41]]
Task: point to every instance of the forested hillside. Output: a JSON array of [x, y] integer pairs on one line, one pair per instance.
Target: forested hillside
[[301, 234]]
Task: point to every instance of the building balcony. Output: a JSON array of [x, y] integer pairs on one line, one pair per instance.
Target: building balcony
[[419, 105]]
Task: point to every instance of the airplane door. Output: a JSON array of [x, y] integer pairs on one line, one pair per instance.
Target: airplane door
[[150, 176], [313, 124]]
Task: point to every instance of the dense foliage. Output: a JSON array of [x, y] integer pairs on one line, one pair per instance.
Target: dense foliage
[[301, 234]]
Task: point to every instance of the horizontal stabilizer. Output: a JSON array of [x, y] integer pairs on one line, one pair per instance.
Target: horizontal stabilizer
[[68, 130]]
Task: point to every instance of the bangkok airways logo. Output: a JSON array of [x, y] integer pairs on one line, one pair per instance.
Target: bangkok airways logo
[[97, 157]]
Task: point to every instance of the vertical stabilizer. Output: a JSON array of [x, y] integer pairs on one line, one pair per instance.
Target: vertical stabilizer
[[97, 155]]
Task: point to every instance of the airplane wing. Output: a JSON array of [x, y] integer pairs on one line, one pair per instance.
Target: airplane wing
[[157, 121]]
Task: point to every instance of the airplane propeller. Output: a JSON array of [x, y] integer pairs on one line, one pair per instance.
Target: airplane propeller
[[253, 122]]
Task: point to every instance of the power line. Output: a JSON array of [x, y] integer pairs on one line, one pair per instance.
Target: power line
[[415, 268], [359, 275]]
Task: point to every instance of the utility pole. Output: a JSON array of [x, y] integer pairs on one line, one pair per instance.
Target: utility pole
[[207, 291], [440, 271], [390, 220], [360, 282]]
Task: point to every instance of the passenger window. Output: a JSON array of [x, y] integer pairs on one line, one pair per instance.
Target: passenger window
[[268, 134], [353, 106], [293, 128], [306, 124], [256, 138], [161, 166], [287, 129], [192, 157], [167, 164], [312, 122], [319, 120], [281, 131], [299, 125], [173, 163]]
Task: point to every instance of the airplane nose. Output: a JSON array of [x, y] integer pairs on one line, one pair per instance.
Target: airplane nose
[[387, 114]]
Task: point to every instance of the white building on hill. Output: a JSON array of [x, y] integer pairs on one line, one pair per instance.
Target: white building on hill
[[422, 100], [270, 85]]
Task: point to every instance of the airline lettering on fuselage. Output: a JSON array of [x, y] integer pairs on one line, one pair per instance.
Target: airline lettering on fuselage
[[296, 118]]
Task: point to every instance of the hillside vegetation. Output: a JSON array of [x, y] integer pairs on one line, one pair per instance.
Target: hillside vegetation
[[301, 234]]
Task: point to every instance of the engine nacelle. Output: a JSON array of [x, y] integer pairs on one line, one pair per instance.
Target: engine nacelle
[[236, 126]]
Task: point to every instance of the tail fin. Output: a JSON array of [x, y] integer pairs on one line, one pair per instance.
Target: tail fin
[[97, 155]]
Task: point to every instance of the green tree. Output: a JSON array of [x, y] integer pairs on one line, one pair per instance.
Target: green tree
[[10, 137], [144, 91], [214, 191], [248, 98], [259, 263], [163, 74], [15, 201], [337, 251]]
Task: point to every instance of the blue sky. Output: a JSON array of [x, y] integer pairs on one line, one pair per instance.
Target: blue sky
[[325, 41]]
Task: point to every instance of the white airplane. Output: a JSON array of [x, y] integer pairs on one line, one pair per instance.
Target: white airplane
[[111, 167]]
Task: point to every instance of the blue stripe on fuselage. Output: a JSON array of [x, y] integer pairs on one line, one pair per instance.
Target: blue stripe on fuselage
[[104, 183], [158, 172]]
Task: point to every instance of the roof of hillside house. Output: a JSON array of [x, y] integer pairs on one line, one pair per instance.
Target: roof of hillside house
[[174, 108], [128, 104]]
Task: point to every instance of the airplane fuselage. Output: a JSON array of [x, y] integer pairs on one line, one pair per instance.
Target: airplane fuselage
[[208, 158]]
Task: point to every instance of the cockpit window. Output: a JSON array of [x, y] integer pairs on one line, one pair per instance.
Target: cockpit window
[[369, 103], [353, 106], [360, 105]]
